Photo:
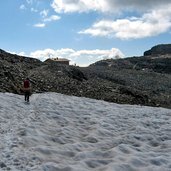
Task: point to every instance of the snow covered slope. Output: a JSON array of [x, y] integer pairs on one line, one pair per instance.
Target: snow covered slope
[[56, 132]]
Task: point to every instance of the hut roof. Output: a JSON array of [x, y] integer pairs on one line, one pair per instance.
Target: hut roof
[[59, 59]]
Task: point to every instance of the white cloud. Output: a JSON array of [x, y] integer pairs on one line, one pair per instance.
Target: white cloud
[[15, 53], [150, 24], [40, 25], [81, 57], [29, 1], [51, 18], [22, 7], [22, 54], [33, 10], [154, 17], [79, 5], [44, 13], [43, 54], [65, 6], [47, 19]]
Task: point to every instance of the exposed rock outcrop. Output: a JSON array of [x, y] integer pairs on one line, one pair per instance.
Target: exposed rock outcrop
[[162, 49], [155, 63]]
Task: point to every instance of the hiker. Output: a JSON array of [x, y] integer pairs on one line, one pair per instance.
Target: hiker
[[26, 88]]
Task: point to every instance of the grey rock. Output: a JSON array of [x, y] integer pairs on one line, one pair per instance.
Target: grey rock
[[135, 80], [161, 49]]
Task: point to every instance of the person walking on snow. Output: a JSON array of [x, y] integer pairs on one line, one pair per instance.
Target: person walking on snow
[[26, 86]]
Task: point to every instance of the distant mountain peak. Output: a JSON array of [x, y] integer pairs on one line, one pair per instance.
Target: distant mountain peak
[[161, 49]]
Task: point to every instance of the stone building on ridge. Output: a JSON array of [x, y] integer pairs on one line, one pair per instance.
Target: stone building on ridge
[[58, 60]]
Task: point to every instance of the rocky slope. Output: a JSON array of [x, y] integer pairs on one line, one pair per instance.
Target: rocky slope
[[138, 80], [162, 49]]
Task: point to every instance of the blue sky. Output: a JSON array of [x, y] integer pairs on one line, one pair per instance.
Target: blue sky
[[83, 31]]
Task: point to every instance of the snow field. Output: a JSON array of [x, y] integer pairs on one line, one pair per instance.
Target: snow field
[[56, 132]]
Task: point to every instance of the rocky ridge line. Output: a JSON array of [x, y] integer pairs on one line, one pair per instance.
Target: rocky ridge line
[[142, 80]]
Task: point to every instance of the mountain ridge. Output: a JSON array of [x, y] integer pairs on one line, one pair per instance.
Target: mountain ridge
[[144, 80]]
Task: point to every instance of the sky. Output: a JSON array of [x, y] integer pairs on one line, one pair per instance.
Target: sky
[[83, 31]]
